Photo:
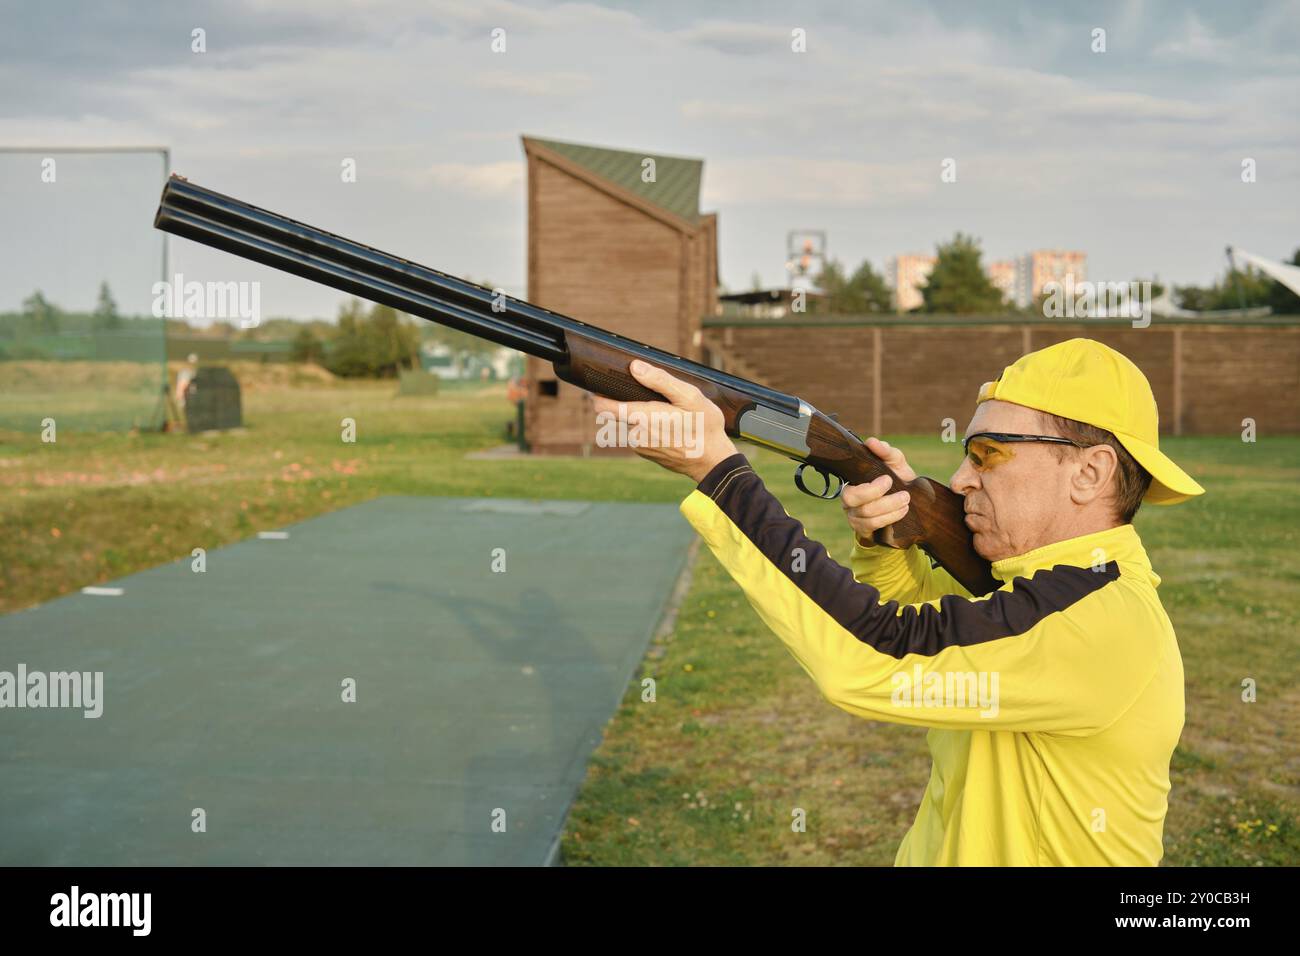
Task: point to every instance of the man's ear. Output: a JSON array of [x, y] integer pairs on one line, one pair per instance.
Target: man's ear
[[1095, 471]]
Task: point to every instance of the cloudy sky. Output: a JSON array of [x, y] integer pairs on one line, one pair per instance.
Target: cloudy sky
[[1133, 155]]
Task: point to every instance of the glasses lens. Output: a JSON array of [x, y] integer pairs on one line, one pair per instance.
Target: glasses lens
[[986, 453]]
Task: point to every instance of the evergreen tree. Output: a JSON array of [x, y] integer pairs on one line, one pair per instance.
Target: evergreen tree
[[864, 291], [106, 315], [958, 284], [41, 314]]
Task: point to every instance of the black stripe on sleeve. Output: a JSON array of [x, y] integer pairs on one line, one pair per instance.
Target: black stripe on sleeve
[[922, 629]]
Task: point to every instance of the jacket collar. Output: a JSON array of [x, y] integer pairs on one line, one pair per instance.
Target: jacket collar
[[1120, 544]]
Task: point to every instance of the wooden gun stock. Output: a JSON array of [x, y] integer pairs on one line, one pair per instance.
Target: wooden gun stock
[[936, 517]]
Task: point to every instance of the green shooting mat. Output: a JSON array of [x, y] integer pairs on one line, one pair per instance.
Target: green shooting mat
[[411, 681]]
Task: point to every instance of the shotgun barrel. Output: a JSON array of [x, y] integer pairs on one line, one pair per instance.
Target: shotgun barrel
[[213, 219]]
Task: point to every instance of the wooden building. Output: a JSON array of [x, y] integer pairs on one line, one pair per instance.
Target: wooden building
[[614, 246]]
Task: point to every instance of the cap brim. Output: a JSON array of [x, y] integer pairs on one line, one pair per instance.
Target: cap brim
[[1169, 483]]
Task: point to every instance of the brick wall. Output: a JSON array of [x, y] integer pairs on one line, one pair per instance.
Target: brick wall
[[901, 378]]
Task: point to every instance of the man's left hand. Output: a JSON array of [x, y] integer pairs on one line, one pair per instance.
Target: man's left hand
[[684, 434]]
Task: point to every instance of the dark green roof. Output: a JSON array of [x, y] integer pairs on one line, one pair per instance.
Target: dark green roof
[[676, 188]]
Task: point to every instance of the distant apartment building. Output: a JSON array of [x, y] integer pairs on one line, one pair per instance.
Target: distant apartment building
[[906, 275], [1033, 271], [1003, 276]]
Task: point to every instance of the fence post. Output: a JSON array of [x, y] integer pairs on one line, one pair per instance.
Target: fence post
[[1178, 380], [877, 391]]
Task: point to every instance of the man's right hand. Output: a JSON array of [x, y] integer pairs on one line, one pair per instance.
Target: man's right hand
[[868, 506]]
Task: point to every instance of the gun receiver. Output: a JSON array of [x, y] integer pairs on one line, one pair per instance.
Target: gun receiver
[[582, 354]]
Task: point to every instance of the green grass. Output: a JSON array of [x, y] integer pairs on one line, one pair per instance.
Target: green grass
[[91, 507], [738, 737]]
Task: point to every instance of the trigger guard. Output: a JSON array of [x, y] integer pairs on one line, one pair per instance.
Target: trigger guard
[[825, 494]]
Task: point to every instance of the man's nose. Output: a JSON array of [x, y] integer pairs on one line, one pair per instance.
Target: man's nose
[[965, 479]]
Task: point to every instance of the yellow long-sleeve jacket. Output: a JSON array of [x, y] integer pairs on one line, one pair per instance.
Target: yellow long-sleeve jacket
[[1054, 704]]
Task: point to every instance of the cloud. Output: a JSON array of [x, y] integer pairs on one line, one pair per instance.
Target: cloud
[[741, 39], [971, 107], [742, 114], [487, 180], [799, 180], [1197, 43], [535, 83], [1124, 106]]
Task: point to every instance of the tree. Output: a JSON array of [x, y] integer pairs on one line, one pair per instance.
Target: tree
[[307, 347], [1247, 289], [958, 284], [1238, 289], [864, 291], [348, 357], [1157, 287], [1282, 300], [1195, 298], [832, 282], [871, 286], [396, 344], [374, 345], [106, 315], [462, 345], [42, 316]]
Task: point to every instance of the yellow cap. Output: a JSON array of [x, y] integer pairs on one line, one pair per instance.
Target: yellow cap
[[1092, 383]]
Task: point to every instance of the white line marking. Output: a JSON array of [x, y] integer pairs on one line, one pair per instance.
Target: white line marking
[[273, 535], [104, 592]]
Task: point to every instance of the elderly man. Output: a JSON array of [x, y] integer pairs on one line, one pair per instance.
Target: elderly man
[[1055, 703]]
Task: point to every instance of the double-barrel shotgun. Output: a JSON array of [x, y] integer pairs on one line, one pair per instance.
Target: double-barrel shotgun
[[583, 355]]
